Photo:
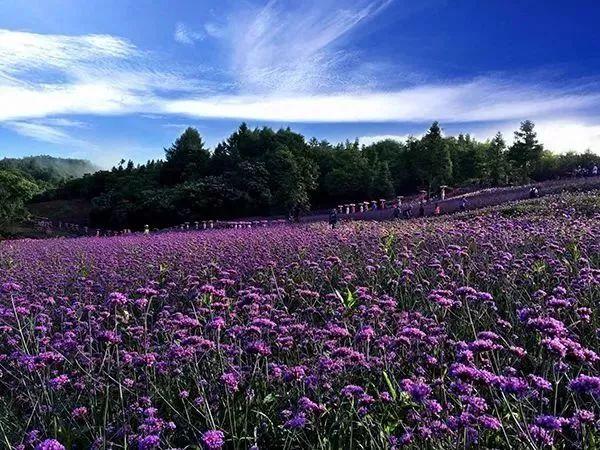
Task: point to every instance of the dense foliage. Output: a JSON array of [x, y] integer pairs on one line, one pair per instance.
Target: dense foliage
[[16, 189], [261, 171], [473, 330]]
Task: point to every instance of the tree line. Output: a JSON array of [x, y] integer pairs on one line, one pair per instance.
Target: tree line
[[262, 172]]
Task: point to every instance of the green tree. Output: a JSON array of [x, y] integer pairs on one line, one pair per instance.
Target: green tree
[[350, 178], [433, 161], [393, 154], [495, 160], [186, 159], [468, 158], [15, 191], [291, 179], [526, 152], [381, 181]]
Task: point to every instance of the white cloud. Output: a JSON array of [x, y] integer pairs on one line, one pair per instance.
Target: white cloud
[[185, 35], [559, 136], [48, 75], [62, 122], [567, 135], [39, 132], [42, 101], [368, 140], [54, 130], [215, 30], [481, 100]]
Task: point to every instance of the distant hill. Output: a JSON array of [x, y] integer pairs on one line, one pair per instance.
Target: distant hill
[[49, 169]]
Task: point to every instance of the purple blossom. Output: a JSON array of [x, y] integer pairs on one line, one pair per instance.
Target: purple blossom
[[418, 390], [297, 422], [213, 439], [149, 442], [231, 381], [585, 384], [352, 391], [50, 444], [552, 423], [59, 382]]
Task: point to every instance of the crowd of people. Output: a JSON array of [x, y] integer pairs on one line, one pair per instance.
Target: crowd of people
[[586, 171]]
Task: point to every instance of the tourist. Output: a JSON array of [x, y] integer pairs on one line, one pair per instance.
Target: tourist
[[396, 212], [333, 218], [437, 211], [533, 192], [463, 204], [421, 209], [296, 213]]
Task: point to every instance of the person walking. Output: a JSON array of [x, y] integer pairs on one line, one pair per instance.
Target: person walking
[[437, 211], [463, 204], [396, 212], [333, 218]]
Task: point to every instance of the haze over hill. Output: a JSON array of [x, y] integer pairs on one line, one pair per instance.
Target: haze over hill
[[49, 169]]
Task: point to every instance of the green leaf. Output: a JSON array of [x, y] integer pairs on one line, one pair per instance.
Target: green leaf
[[389, 243], [269, 399], [389, 428], [390, 386], [350, 299]]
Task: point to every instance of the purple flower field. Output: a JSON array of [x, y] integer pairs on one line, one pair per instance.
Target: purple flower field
[[474, 330]]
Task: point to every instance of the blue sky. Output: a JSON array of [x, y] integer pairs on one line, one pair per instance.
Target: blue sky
[[109, 79]]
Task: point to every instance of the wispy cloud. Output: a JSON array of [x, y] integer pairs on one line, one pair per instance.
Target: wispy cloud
[[185, 35], [290, 47], [52, 131], [215, 30], [62, 122], [22, 52]]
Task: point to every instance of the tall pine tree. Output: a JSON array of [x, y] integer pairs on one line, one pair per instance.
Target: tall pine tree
[[434, 160], [495, 160], [186, 159], [526, 152]]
